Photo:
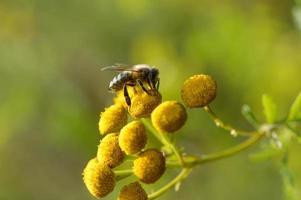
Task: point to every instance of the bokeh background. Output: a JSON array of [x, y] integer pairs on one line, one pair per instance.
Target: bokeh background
[[52, 89]]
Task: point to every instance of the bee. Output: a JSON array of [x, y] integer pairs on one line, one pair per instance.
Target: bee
[[131, 76]]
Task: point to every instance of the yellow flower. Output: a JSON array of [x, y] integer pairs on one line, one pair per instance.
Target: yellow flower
[[133, 191], [119, 99], [109, 151], [199, 90], [98, 178], [149, 166], [143, 104], [112, 119], [169, 116], [132, 138]]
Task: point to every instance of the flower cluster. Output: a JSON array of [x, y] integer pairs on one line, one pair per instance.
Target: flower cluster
[[124, 130], [124, 138]]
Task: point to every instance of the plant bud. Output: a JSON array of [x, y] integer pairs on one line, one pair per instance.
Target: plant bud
[[109, 151], [199, 90], [149, 166], [132, 138], [169, 116], [133, 191], [143, 104], [98, 178], [119, 99], [112, 119]]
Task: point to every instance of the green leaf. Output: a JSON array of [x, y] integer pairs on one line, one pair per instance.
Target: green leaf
[[289, 187], [295, 108], [249, 116], [269, 108], [266, 154]]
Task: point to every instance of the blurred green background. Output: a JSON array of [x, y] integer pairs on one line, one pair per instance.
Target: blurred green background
[[52, 89]]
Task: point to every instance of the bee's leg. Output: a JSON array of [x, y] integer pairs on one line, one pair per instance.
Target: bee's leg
[[126, 95], [133, 86], [142, 86], [149, 82], [158, 84]]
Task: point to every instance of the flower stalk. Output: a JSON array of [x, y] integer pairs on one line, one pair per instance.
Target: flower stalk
[[219, 123]]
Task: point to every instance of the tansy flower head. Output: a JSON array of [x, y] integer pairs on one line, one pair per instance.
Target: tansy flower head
[[112, 119], [143, 104], [109, 151], [133, 191], [169, 116], [149, 166], [98, 178], [132, 137], [199, 90], [119, 99]]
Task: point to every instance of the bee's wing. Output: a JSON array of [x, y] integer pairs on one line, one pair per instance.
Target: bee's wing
[[118, 67]]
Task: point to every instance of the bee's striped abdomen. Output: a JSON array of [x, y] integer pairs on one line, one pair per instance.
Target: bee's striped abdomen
[[119, 80]]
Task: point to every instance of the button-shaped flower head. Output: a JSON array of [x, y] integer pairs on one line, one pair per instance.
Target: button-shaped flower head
[[98, 178], [109, 151], [143, 104], [198, 90], [149, 166], [132, 137], [169, 116], [133, 191], [119, 98], [112, 119]]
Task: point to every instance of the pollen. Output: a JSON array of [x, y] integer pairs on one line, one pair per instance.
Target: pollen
[[119, 98], [112, 119], [109, 151], [169, 116], [132, 138], [133, 191], [143, 104], [98, 178], [149, 166], [199, 90]]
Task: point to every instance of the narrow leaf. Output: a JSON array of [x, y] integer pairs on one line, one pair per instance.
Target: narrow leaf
[[266, 154], [289, 187], [269, 108], [295, 108], [249, 116]]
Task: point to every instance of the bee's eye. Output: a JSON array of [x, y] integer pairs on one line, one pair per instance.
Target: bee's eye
[[154, 72]]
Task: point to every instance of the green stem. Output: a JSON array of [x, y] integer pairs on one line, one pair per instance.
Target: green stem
[[149, 127], [182, 175], [164, 139], [122, 174], [219, 123], [173, 148], [195, 160], [232, 150]]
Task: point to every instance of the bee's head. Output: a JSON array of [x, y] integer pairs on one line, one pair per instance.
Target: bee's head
[[153, 77]]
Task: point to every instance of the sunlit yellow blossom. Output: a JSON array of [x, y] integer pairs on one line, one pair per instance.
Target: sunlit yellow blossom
[[112, 119], [133, 191], [98, 178], [143, 104], [169, 116], [149, 166], [199, 90], [109, 151], [132, 138], [119, 99]]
